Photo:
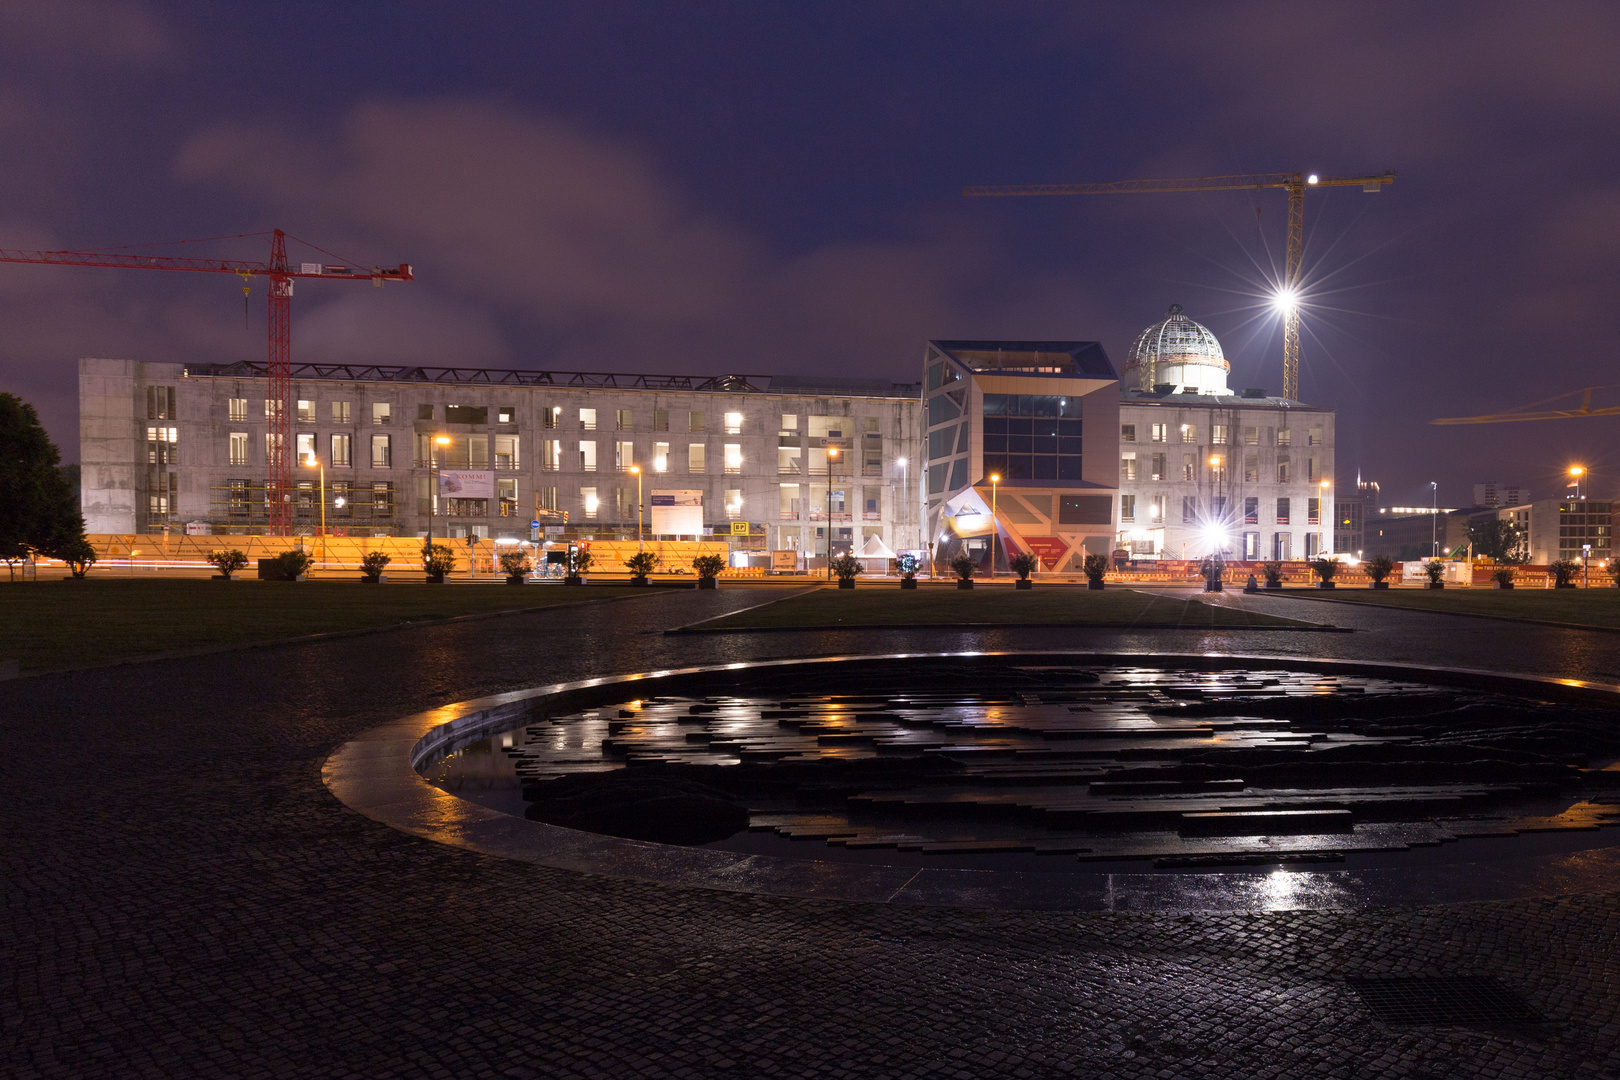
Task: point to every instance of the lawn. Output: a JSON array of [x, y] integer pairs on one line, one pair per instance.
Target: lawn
[[1000, 606], [54, 624], [1581, 607]]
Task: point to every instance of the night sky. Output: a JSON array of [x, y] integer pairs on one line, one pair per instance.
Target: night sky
[[773, 187]]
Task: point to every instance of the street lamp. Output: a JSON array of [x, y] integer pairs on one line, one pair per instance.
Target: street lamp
[[1434, 519], [433, 488], [637, 470], [314, 462], [1321, 521], [995, 528], [832, 455], [1578, 473], [1220, 499]]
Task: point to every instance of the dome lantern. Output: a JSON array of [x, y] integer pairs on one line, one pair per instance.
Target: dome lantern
[[1177, 352]]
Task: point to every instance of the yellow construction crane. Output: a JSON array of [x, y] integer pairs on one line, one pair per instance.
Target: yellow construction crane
[[1533, 411], [1294, 183]]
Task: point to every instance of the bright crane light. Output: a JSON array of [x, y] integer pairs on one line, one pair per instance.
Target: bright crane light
[[1286, 300]]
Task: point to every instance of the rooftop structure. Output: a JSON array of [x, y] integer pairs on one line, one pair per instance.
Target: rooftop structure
[[1178, 355]]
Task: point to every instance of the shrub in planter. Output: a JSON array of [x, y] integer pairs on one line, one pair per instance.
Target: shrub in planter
[[1564, 572], [907, 565], [1324, 569], [579, 561], [1436, 569], [965, 566], [514, 564], [1378, 568], [1503, 576], [1614, 572], [641, 564], [80, 556], [437, 560], [1023, 564], [372, 564], [1095, 567], [846, 568], [1272, 572], [291, 565], [708, 568], [228, 562]]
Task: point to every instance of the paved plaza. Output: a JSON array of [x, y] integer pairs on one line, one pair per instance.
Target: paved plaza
[[184, 897]]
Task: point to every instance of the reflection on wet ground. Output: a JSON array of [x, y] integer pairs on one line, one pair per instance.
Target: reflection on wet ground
[[1111, 769]]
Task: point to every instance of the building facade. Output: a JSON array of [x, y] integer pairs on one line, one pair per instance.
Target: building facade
[[1021, 440], [1203, 470], [172, 445], [1564, 529]]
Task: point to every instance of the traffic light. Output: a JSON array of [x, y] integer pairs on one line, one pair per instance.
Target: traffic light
[[565, 517]]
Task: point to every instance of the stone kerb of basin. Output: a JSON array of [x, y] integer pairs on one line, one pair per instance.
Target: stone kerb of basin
[[378, 775]]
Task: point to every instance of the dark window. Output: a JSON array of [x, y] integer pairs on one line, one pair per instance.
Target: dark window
[[424, 412], [959, 477], [1251, 511], [466, 414], [1085, 510], [941, 408]]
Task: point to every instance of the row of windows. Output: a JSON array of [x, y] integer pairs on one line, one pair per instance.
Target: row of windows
[[1191, 514], [1282, 546], [1220, 434], [1156, 467], [160, 405], [467, 452]]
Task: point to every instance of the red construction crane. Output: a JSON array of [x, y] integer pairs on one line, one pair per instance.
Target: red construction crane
[[1294, 183], [281, 274]]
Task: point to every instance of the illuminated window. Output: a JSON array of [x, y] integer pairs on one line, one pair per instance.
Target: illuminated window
[[588, 497], [733, 457], [239, 448], [306, 412], [733, 423], [340, 412], [1127, 508], [341, 458], [238, 408]]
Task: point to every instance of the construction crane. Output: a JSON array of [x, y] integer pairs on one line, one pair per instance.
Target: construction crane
[[281, 273], [1294, 183], [1534, 412]]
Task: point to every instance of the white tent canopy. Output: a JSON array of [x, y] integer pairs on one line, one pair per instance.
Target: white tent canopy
[[875, 548]]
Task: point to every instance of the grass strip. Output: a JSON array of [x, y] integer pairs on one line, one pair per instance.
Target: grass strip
[[831, 608], [54, 624], [1596, 608]]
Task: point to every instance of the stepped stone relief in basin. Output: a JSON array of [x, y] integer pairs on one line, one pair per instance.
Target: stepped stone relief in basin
[[1060, 765]]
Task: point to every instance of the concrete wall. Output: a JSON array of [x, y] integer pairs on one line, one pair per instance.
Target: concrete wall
[[107, 444]]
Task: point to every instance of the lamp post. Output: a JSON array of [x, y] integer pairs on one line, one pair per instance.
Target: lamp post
[[1321, 521], [832, 455], [1579, 473], [313, 462], [433, 487], [995, 528], [1434, 519], [637, 470], [1220, 501]]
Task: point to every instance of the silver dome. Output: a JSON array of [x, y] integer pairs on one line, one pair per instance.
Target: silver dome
[[1177, 351]]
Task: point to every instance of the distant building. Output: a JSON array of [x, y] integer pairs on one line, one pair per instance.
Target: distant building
[[1349, 525], [1409, 533], [1203, 470], [1500, 495], [1562, 528], [1043, 416]]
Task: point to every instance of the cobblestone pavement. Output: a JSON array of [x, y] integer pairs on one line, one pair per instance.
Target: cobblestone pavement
[[182, 897]]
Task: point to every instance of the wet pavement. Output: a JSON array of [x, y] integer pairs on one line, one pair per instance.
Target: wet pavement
[[184, 897]]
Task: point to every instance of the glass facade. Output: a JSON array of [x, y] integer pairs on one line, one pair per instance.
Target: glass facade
[[1032, 437]]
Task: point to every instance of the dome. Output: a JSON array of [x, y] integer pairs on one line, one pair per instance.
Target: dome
[[1179, 352]]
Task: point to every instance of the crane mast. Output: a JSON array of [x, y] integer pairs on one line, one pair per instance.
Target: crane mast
[[278, 396], [1294, 183]]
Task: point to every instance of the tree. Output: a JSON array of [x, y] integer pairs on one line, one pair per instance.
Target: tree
[[1502, 540], [38, 510]]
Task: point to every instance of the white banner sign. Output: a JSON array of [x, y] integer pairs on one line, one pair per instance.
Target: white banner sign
[[677, 513], [462, 484]]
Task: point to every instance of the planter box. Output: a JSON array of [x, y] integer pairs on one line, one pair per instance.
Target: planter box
[[1023, 583], [968, 584], [514, 579], [908, 583], [435, 579], [1435, 585], [1273, 585], [1327, 584], [1378, 585], [380, 579], [1097, 585], [842, 584], [708, 583], [1504, 584], [1214, 586], [1566, 585], [573, 579], [638, 581]]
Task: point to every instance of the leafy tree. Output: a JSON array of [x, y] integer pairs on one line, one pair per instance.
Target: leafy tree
[[1095, 566], [1023, 564], [1378, 567], [965, 566], [846, 567], [515, 563], [80, 555], [1325, 568], [373, 563], [228, 562], [709, 566], [1503, 541], [643, 563], [38, 509]]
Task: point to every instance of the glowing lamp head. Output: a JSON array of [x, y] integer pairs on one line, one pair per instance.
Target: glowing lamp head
[[443, 440], [1215, 462], [995, 478], [311, 463], [1311, 179], [900, 462], [636, 469], [832, 451], [1286, 300], [1576, 470]]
